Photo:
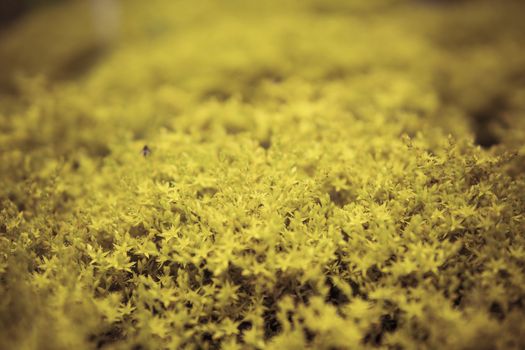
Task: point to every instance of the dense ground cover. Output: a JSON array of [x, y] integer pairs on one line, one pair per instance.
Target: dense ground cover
[[282, 175]]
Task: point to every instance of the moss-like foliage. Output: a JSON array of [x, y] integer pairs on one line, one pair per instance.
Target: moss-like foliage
[[282, 175]]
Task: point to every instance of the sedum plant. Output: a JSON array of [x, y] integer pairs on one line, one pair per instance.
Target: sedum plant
[[262, 181]]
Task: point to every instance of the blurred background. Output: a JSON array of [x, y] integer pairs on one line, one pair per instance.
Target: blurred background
[[10, 10], [467, 54]]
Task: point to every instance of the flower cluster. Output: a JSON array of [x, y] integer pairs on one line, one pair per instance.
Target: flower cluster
[[306, 184]]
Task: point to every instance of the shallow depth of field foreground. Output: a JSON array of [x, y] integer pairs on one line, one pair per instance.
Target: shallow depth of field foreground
[[314, 174]]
